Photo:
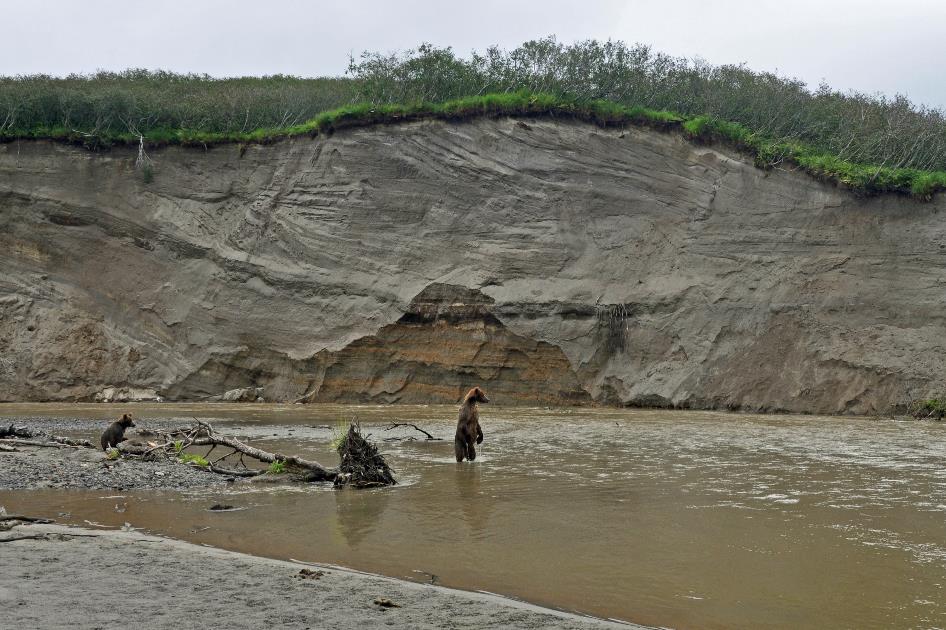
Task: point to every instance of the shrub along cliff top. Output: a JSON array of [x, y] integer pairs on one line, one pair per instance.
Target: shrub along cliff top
[[870, 143]]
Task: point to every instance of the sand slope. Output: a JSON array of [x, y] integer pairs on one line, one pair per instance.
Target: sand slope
[[128, 579], [552, 263]]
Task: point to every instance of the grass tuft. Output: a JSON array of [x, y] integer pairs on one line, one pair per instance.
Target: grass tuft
[[197, 460], [339, 431]]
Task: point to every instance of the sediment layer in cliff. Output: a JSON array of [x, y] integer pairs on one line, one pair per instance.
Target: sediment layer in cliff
[[447, 341], [551, 263]]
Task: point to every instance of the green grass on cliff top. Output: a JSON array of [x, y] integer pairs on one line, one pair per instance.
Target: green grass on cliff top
[[766, 152]]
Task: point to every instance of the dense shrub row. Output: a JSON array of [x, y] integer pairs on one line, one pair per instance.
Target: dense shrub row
[[109, 105], [869, 143], [853, 127]]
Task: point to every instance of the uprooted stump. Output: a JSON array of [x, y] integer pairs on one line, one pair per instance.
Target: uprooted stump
[[362, 466]]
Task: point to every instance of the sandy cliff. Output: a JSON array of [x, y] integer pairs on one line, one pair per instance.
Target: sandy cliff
[[549, 262]]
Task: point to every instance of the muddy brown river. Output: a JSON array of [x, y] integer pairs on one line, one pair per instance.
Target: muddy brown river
[[668, 518]]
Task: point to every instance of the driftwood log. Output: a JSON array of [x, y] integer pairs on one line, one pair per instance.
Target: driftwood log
[[26, 537], [27, 437], [23, 519], [313, 471], [203, 434], [19, 442], [9, 521], [71, 442], [52, 441]]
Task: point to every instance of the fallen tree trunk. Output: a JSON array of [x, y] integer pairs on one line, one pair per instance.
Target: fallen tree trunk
[[26, 537], [362, 465], [234, 472], [19, 442], [71, 442], [316, 472], [203, 434], [25, 519], [10, 433], [9, 521]]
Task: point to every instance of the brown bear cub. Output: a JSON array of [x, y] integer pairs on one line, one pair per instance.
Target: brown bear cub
[[468, 426], [115, 433]]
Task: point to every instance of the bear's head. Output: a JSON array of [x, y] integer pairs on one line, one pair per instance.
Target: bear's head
[[476, 395]]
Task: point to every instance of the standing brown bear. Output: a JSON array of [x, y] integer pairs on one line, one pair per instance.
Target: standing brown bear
[[115, 432], [468, 425]]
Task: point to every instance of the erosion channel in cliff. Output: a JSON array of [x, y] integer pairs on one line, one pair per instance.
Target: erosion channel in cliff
[[550, 262]]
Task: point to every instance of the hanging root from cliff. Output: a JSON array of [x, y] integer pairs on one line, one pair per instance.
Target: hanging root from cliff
[[143, 162], [362, 466], [203, 434]]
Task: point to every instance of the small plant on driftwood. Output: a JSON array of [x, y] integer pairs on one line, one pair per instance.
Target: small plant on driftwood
[[196, 460]]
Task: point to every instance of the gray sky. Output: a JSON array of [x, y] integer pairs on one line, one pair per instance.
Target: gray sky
[[894, 46]]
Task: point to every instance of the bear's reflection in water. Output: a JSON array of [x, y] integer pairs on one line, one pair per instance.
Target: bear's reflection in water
[[359, 512], [475, 502]]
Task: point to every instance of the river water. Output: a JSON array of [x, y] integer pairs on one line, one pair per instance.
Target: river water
[[668, 518]]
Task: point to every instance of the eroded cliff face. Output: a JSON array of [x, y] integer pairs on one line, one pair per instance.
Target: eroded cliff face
[[549, 262]]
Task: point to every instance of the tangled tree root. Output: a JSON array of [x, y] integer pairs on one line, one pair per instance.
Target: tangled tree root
[[362, 466]]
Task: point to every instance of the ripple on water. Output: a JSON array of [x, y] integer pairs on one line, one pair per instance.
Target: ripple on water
[[628, 513]]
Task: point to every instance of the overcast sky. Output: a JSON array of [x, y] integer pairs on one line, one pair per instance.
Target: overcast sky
[[894, 46]]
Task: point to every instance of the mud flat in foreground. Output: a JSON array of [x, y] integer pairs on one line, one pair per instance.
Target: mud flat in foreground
[[86, 578]]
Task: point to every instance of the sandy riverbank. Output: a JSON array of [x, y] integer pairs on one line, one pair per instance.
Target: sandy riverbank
[[83, 578], [31, 467]]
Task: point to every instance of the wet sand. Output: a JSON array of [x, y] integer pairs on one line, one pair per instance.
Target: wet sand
[[84, 578]]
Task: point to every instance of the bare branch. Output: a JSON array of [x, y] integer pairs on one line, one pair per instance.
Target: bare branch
[[395, 425]]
